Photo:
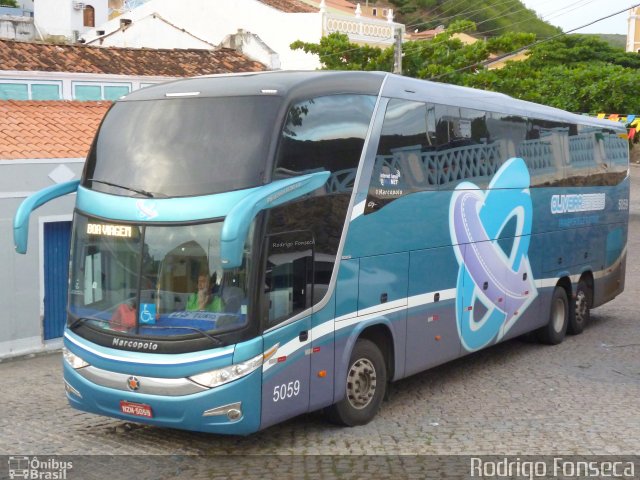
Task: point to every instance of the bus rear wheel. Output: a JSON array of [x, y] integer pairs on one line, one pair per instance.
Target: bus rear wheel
[[581, 310], [555, 330], [366, 384]]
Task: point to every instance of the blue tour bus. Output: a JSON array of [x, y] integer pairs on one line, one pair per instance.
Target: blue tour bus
[[248, 248]]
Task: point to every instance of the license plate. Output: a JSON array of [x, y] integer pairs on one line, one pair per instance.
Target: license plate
[[137, 409]]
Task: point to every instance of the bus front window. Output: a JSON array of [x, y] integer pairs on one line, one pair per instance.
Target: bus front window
[[154, 281]]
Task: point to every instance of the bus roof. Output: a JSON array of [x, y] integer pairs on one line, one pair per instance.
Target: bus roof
[[296, 85]]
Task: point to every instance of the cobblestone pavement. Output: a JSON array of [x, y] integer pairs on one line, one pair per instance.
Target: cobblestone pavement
[[515, 398]]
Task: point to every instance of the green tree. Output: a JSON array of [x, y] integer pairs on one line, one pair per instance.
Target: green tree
[[578, 49], [588, 88], [337, 53], [9, 3], [492, 16], [576, 73], [444, 54]]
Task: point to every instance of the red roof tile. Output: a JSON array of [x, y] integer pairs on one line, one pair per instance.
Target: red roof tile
[[290, 6], [48, 129], [25, 56]]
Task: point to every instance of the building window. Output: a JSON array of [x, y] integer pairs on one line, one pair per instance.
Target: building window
[[45, 92], [23, 90], [14, 91], [89, 14], [115, 92], [87, 92], [96, 91]]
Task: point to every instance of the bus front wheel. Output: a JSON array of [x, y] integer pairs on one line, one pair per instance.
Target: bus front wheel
[[366, 383], [554, 332]]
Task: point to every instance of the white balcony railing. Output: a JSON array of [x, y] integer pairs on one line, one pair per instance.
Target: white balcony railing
[[361, 29]]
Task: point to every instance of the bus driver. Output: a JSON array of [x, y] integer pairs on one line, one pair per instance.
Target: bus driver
[[203, 299]]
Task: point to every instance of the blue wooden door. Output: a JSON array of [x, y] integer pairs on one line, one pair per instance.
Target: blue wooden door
[[57, 237]]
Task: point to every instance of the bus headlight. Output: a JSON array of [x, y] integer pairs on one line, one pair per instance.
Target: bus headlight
[[72, 359], [218, 377]]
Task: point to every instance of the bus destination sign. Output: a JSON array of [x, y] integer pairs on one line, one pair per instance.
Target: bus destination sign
[[109, 230]]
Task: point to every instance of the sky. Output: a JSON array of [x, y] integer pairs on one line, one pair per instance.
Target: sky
[[568, 14]]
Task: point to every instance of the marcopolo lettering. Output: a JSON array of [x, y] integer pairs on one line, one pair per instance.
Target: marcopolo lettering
[[134, 344]]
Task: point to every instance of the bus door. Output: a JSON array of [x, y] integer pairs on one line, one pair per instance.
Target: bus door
[[287, 291]]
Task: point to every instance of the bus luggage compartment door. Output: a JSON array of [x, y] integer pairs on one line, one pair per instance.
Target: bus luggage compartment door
[[432, 335]]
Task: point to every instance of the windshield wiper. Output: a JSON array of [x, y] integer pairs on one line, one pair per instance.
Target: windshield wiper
[[215, 340], [135, 190]]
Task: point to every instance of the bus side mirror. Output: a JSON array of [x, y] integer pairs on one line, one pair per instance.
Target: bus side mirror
[[236, 225], [29, 204]]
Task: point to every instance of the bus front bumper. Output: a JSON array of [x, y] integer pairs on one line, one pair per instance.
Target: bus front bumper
[[233, 408]]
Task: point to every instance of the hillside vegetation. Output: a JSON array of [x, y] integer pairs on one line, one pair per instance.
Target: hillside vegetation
[[616, 41], [492, 17]]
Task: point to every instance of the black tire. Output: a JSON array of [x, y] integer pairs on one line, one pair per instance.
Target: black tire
[[555, 330], [366, 386], [581, 313]]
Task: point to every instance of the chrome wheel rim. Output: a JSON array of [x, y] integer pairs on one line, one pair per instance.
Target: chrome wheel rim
[[559, 315], [361, 383]]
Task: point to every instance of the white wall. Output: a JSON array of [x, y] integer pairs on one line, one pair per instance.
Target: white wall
[[59, 17], [163, 35], [212, 20], [21, 296], [53, 17], [17, 28]]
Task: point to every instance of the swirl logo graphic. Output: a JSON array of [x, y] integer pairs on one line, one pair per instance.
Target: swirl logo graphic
[[146, 209], [499, 283]]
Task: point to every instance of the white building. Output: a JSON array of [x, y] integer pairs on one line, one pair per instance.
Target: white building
[[69, 18], [633, 30], [275, 23]]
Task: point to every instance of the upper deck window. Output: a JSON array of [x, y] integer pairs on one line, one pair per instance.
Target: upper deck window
[[325, 133], [183, 146]]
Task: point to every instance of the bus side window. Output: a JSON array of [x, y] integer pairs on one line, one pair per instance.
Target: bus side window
[[288, 280], [581, 163], [546, 152], [615, 156], [322, 133], [508, 134], [401, 164], [325, 133]]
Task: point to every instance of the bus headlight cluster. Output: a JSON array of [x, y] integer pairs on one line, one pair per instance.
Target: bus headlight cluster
[[72, 359], [218, 377]]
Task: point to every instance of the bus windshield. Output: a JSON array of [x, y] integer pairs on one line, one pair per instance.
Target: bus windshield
[[154, 281], [182, 146]]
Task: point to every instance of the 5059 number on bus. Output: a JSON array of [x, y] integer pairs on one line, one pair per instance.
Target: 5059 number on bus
[[286, 390]]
